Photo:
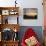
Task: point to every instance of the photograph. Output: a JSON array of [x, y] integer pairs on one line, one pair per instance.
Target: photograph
[[30, 13]]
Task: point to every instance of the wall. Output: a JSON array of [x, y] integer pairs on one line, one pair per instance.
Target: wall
[[32, 4], [26, 4], [37, 29]]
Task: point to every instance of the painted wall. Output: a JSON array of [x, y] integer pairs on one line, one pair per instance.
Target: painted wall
[[26, 4], [37, 29], [32, 4]]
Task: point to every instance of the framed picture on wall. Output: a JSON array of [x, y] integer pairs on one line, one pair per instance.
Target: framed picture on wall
[[5, 12], [30, 13]]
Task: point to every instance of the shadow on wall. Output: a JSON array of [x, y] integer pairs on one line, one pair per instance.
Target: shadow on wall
[[37, 29]]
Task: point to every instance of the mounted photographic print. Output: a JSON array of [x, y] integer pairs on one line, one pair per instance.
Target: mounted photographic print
[[30, 13], [5, 12]]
